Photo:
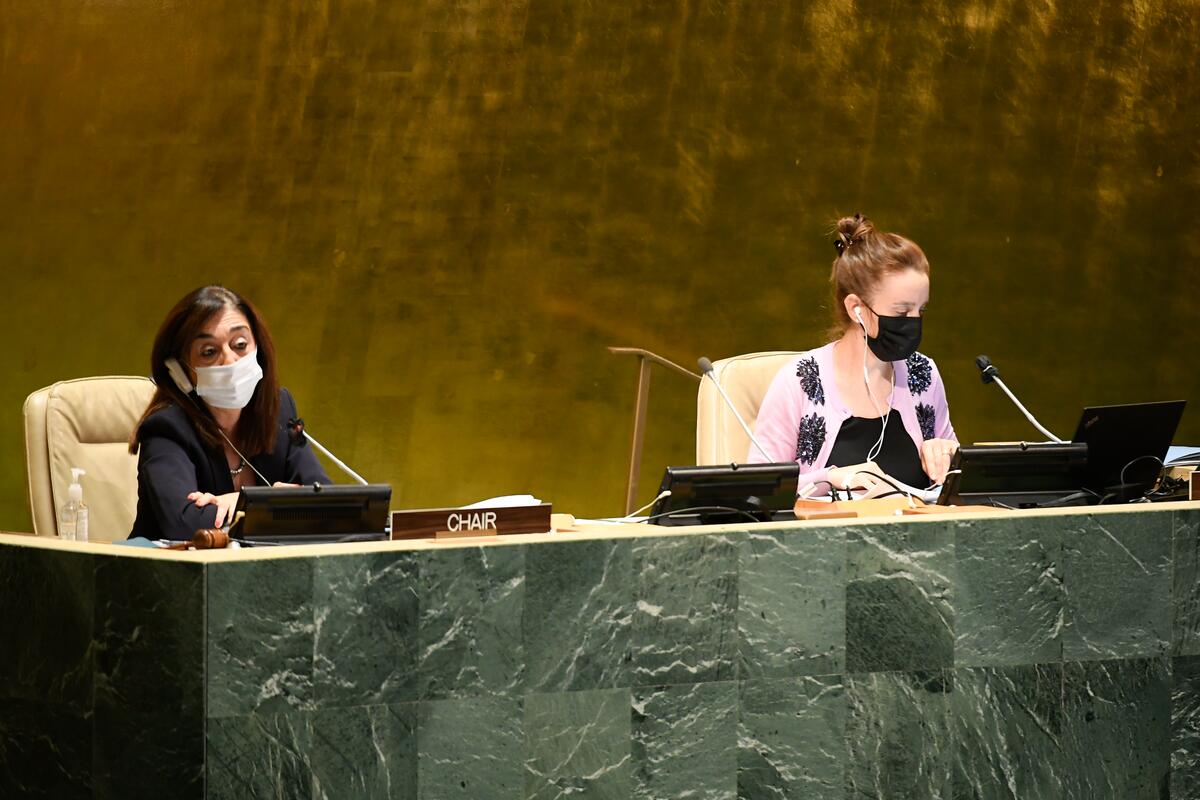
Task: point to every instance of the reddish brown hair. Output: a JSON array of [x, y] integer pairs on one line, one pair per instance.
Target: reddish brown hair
[[865, 257], [257, 427]]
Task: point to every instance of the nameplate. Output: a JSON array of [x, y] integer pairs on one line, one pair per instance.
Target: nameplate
[[426, 523]]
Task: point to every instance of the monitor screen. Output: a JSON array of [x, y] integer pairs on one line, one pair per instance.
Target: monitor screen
[[312, 514], [1016, 475], [727, 493]]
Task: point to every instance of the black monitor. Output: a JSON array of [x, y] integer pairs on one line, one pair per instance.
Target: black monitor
[[727, 493], [315, 514], [1017, 475]]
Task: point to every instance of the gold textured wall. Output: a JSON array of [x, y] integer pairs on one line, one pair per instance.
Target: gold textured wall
[[448, 209]]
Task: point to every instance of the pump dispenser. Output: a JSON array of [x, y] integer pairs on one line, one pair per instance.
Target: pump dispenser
[[73, 516]]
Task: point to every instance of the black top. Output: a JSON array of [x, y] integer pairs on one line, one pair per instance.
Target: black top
[[898, 458], [174, 462]]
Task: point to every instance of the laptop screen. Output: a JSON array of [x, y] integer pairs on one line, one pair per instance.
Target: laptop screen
[[1130, 439]]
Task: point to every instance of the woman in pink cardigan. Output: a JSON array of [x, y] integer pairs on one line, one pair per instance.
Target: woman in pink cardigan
[[867, 404]]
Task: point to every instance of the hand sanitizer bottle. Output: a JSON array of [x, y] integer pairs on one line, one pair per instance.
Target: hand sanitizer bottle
[[73, 516]]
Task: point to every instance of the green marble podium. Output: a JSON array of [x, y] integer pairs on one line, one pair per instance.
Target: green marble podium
[[1029, 655]]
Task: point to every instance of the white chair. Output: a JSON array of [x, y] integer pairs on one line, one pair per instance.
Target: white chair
[[746, 378], [85, 423]]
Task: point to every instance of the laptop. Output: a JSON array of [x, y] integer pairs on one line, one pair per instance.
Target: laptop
[[1127, 444]]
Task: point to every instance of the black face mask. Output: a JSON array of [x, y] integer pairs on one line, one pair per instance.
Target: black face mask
[[899, 337]]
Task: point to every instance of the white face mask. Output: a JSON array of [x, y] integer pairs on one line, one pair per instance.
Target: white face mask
[[230, 386]]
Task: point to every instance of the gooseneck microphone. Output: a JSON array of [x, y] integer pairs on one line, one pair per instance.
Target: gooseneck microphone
[[989, 374], [706, 367], [299, 437]]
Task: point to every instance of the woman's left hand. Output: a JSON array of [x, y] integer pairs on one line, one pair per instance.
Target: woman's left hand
[[935, 458]]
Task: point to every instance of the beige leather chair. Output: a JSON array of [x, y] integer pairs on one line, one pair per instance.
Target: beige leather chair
[[719, 437], [85, 423]]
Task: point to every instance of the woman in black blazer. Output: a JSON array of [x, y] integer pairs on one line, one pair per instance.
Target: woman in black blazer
[[216, 421]]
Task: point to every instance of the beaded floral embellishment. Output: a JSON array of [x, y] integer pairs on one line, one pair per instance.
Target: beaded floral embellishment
[[925, 416], [920, 373], [811, 438], [810, 380]]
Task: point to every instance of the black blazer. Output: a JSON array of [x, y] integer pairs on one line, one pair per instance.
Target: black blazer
[[174, 462]]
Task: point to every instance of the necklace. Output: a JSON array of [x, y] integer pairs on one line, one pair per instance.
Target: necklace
[[233, 473]]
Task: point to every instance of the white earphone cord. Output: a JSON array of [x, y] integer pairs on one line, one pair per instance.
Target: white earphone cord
[[875, 449]]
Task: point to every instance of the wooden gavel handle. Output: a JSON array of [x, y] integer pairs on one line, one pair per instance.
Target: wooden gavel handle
[[206, 539]]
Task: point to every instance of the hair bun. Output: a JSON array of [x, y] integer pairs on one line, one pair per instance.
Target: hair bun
[[851, 230]]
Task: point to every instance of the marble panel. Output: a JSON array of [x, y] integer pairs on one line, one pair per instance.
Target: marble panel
[[1116, 729], [577, 744], [899, 736], [792, 738], [365, 753], [1008, 596], [791, 603], [472, 599], [685, 742], [685, 610], [1116, 581], [1185, 583], [150, 632], [1007, 729], [45, 751], [1185, 727], [470, 749], [259, 755], [365, 629], [149, 684], [49, 608], [260, 636], [899, 597], [578, 615], [148, 754]]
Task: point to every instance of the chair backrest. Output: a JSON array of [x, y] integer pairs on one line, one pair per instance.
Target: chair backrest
[[85, 423], [719, 437]]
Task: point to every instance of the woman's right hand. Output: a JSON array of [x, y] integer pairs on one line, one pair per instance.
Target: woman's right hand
[[858, 477], [225, 504]]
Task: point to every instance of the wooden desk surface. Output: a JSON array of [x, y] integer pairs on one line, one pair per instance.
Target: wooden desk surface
[[582, 531]]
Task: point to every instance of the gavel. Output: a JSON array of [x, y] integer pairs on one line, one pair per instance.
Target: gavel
[[204, 539]]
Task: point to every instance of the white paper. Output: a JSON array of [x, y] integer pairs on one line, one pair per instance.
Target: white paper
[[507, 501]]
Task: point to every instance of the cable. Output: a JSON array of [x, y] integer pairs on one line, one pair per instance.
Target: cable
[[696, 509], [875, 449], [813, 485], [1135, 460], [245, 460], [1067, 499], [632, 514], [889, 482]]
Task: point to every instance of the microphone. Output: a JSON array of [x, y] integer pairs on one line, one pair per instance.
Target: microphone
[[299, 437], [706, 367], [989, 374]]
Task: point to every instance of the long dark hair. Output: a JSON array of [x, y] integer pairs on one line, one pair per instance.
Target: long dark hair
[[257, 428]]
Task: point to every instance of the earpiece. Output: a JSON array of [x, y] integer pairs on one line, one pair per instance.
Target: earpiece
[[858, 313], [175, 370]]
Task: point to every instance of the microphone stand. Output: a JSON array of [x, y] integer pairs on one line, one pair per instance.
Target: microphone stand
[[988, 374], [297, 431], [706, 368], [1025, 411]]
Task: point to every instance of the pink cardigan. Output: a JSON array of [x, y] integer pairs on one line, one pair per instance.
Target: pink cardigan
[[802, 412]]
